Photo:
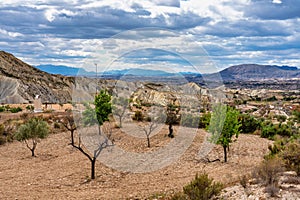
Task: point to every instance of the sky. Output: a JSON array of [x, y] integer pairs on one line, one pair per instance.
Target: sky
[[171, 35]]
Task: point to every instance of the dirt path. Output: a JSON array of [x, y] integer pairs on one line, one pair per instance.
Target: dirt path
[[60, 172]]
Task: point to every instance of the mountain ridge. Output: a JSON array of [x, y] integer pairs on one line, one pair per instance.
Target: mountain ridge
[[21, 82], [232, 73]]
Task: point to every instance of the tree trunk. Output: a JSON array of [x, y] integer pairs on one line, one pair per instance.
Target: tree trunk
[[34, 143], [225, 153], [93, 162], [72, 137], [32, 152], [148, 140], [170, 131]]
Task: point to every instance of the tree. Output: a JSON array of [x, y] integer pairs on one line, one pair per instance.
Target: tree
[[69, 123], [155, 117], [33, 130], [102, 106], [119, 108], [224, 125], [96, 117], [172, 119], [148, 129], [102, 141]]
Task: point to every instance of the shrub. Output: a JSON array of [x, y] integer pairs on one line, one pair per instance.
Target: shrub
[[244, 181], [180, 196], [202, 187], [248, 123], [15, 110], [272, 190], [138, 116], [268, 130], [2, 109], [204, 120], [190, 120], [291, 156], [267, 173], [56, 125], [30, 107], [280, 118]]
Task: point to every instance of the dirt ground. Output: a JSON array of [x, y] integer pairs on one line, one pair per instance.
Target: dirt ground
[[61, 172]]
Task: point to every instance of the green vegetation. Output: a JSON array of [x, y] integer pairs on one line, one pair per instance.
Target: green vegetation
[[97, 116], [202, 188], [249, 124], [224, 125], [7, 108], [33, 130]]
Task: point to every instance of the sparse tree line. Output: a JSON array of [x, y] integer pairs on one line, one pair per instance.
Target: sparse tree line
[[224, 123]]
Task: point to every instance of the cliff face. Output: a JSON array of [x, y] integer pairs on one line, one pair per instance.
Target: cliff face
[[20, 83]]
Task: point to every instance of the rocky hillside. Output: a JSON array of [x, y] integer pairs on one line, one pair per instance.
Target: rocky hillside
[[20, 82], [252, 72]]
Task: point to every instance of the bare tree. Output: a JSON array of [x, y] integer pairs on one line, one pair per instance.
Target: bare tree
[[69, 123], [94, 144], [148, 129], [120, 105], [156, 116]]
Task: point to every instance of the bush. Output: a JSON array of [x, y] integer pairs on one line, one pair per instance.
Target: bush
[[272, 190], [204, 120], [267, 173], [190, 120], [138, 116], [15, 110], [2, 109], [291, 156], [30, 107], [202, 187], [180, 196], [248, 123], [268, 130]]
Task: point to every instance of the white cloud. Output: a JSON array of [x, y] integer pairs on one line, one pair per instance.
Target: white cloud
[[232, 32]]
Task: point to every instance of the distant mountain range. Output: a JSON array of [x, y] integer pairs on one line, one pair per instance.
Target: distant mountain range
[[243, 72], [21, 82], [73, 71]]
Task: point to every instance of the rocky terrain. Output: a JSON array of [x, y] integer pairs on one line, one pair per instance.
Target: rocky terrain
[[20, 82]]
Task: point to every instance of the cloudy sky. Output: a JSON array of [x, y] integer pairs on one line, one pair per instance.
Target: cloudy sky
[[159, 34]]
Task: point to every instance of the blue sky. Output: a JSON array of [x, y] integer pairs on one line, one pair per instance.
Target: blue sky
[[160, 34]]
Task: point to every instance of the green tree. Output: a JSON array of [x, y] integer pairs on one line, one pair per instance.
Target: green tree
[[97, 116], [34, 130], [224, 125], [102, 106]]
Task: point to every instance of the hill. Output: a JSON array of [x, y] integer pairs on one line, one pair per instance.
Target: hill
[[21, 82], [251, 72], [63, 70]]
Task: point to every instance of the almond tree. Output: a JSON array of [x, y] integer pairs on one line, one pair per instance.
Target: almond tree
[[31, 132], [148, 129], [119, 108], [224, 125], [69, 123], [97, 138]]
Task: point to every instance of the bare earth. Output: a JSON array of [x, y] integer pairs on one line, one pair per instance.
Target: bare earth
[[61, 172]]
